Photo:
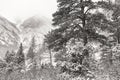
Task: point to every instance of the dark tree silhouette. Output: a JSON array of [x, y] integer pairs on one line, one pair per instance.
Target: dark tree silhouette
[[20, 58]]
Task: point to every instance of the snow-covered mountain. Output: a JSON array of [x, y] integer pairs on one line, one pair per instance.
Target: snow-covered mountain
[[9, 36], [34, 26]]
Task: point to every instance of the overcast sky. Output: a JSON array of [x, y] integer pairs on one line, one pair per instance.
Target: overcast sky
[[15, 10]]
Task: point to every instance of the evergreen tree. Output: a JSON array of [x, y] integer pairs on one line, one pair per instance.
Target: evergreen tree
[[9, 57], [78, 21], [6, 57], [20, 58], [31, 56], [31, 53]]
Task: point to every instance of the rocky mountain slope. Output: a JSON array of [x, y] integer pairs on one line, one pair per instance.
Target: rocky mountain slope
[[9, 36]]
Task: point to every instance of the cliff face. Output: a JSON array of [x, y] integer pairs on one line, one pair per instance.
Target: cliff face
[[9, 36]]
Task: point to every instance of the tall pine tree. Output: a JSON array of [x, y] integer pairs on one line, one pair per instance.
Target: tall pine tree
[[9, 57], [78, 21], [20, 58], [31, 57], [31, 53]]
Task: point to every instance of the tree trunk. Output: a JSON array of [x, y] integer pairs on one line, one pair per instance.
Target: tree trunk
[[50, 56]]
